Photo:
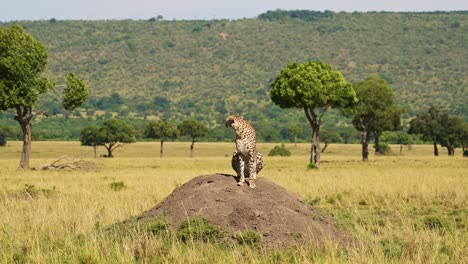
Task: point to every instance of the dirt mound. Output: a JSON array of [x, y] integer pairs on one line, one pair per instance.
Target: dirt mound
[[282, 217]]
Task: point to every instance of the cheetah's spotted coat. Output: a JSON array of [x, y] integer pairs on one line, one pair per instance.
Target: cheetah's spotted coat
[[246, 143]]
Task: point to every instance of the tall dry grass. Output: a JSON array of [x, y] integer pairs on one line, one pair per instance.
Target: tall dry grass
[[401, 208]]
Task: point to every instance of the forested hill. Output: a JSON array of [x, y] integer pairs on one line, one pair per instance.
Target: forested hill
[[209, 68]]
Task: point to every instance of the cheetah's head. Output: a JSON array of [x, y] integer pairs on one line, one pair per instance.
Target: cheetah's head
[[233, 121]]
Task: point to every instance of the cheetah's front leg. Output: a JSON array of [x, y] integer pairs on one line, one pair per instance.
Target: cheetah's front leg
[[241, 171]]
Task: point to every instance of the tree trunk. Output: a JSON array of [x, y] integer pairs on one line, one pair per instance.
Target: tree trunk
[[95, 151], [314, 122], [451, 151], [109, 151], [316, 145], [191, 148], [377, 143], [436, 150], [324, 147], [365, 145], [26, 150], [23, 116], [161, 151]]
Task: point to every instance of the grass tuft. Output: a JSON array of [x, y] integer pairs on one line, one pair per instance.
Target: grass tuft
[[199, 229]]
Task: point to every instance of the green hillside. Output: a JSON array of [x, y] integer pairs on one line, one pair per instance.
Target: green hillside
[[208, 69]]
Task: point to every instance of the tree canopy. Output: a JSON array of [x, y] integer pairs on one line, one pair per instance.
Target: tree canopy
[[75, 93], [22, 60], [314, 87]]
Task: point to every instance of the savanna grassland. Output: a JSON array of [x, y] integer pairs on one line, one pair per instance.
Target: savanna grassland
[[409, 208]]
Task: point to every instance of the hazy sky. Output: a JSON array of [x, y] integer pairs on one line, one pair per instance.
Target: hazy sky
[[200, 9]]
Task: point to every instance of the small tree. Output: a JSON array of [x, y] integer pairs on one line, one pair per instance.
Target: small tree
[[115, 133], [375, 112], [294, 131], [430, 125], [161, 130], [89, 136], [22, 61], [194, 130], [328, 137], [315, 87], [452, 134]]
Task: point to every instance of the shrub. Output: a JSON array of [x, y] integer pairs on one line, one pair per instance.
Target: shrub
[[384, 149], [280, 151], [311, 166], [117, 186], [158, 226], [249, 237], [198, 229]]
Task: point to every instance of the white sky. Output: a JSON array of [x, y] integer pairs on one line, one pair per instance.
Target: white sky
[[201, 9]]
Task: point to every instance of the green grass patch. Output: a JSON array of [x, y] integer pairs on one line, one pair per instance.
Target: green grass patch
[[249, 237], [117, 186], [199, 229]]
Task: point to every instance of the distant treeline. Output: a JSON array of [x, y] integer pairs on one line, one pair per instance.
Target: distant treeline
[[307, 15], [311, 15]]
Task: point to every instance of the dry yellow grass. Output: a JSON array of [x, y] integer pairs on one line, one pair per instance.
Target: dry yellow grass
[[408, 208]]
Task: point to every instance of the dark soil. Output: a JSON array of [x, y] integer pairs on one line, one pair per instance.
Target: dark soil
[[281, 217]]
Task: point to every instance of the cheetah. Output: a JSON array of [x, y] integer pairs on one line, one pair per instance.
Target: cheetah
[[238, 164], [246, 147]]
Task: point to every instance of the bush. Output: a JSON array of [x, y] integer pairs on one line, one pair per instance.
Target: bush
[[249, 237], [158, 226], [198, 229], [311, 166], [384, 149], [280, 151], [117, 186]]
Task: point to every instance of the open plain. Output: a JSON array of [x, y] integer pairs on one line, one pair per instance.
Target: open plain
[[409, 208]]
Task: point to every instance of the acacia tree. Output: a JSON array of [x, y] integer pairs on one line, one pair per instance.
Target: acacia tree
[[22, 61], [452, 134], [114, 134], [194, 130], [111, 135], [315, 87], [430, 125], [162, 130], [375, 112]]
